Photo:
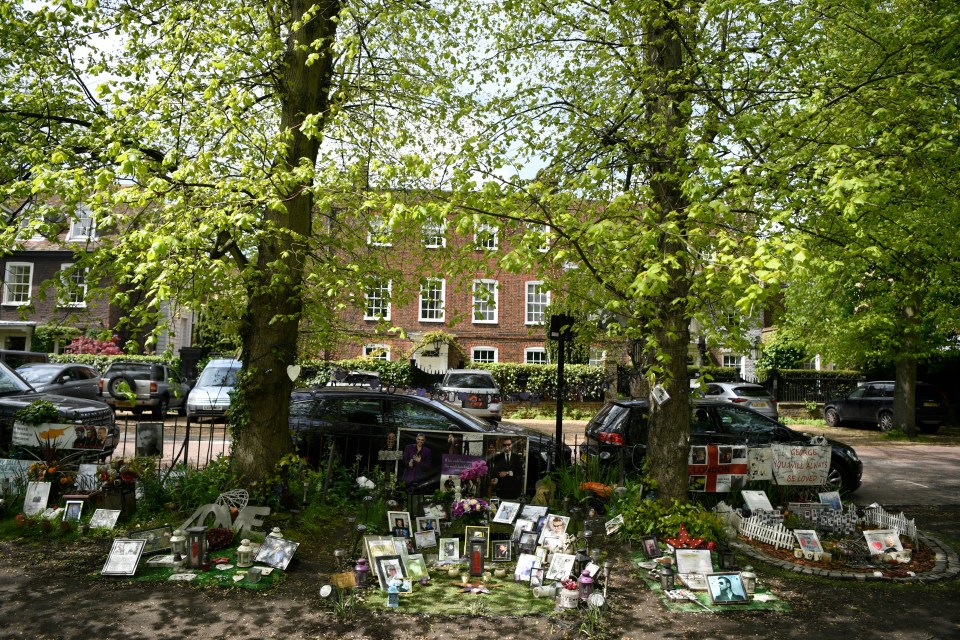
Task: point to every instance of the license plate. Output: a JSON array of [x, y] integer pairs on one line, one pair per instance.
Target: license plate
[[762, 405], [930, 403]]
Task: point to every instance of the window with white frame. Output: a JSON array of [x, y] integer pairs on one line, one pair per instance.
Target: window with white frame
[[82, 226], [378, 301], [485, 301], [486, 237], [379, 235], [732, 360], [484, 354], [376, 351], [432, 293], [74, 288], [434, 235], [540, 232], [536, 303], [17, 282], [597, 356], [535, 355]]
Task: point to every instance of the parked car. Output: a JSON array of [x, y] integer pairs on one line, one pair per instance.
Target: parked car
[[364, 424], [95, 431], [66, 379], [138, 385], [872, 403], [210, 396], [343, 378], [474, 391], [620, 429], [747, 394]]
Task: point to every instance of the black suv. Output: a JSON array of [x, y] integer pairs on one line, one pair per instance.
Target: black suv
[[143, 385], [92, 423], [620, 429], [371, 427], [872, 403]]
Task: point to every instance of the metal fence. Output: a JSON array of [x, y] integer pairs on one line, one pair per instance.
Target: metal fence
[[813, 386], [180, 441]]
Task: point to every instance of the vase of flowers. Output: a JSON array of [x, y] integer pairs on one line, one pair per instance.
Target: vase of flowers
[[470, 509]]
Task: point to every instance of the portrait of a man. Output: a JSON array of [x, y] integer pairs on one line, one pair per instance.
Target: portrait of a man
[[726, 588]]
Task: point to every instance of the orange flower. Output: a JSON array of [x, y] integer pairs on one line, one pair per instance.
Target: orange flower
[[598, 488]]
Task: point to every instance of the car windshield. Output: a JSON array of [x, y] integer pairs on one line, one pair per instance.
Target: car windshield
[[751, 392], [11, 383], [471, 380], [610, 419], [37, 374], [220, 376]]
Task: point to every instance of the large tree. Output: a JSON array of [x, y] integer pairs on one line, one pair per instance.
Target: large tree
[[876, 180], [216, 144]]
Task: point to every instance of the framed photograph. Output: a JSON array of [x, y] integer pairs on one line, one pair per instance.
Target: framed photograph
[[449, 550], [756, 500], [694, 561], [525, 564], [650, 547], [537, 576], [528, 542], [36, 497], [613, 525], [428, 523], [416, 567], [379, 546], [480, 533], [390, 568], [808, 540], [832, 499], [157, 540], [726, 588], [425, 539], [72, 511], [403, 546], [698, 455], [123, 557], [149, 439], [555, 525], [502, 550], [883, 541], [276, 552], [104, 518], [399, 524], [520, 526], [561, 564], [533, 512], [551, 543], [507, 512]]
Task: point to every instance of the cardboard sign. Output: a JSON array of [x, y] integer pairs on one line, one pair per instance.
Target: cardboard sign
[[800, 465], [717, 468]]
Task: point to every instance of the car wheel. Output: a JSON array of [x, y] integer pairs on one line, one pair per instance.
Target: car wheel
[[121, 385], [885, 421], [835, 478], [831, 417], [161, 409]]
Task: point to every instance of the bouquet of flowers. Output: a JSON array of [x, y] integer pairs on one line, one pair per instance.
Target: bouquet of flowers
[[469, 506], [475, 471], [49, 472], [118, 473]]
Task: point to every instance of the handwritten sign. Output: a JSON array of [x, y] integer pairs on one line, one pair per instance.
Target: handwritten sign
[[800, 465]]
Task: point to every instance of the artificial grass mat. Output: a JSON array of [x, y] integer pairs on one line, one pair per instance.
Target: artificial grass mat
[[445, 596]]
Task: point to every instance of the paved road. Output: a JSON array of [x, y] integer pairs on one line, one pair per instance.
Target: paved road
[[909, 474]]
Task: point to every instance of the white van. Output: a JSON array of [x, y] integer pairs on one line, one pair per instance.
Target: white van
[[210, 397]]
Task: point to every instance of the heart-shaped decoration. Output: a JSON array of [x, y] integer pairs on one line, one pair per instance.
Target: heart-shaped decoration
[[293, 371]]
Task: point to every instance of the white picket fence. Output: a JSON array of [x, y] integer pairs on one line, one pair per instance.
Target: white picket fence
[[876, 516], [778, 536]]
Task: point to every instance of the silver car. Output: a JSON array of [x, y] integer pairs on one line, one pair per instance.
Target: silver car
[[474, 391], [65, 379], [746, 394], [210, 397]]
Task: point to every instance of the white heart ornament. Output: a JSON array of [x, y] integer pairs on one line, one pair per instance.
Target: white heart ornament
[[293, 371]]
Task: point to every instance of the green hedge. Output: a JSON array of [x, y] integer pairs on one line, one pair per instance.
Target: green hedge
[[100, 363]]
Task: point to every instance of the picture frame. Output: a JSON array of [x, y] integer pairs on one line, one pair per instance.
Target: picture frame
[[425, 539], [808, 540], [651, 549], [533, 512], [726, 588], [528, 541], [149, 439], [561, 564], [104, 518], [390, 568], [36, 497], [478, 533], [883, 541], [428, 523], [157, 539], [525, 564], [449, 550], [756, 500], [507, 512], [554, 525], [123, 558], [398, 523], [276, 552], [403, 546], [520, 526], [416, 567], [694, 561], [613, 524], [537, 574], [832, 499], [551, 543], [502, 550], [72, 510], [378, 546]]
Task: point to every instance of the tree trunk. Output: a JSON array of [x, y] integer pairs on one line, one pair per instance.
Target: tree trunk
[[669, 439], [270, 327], [905, 387]]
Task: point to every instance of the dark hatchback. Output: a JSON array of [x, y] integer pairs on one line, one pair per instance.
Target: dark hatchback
[[359, 423], [620, 429], [872, 403]]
